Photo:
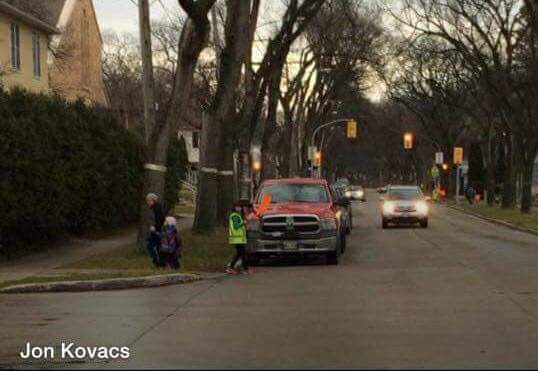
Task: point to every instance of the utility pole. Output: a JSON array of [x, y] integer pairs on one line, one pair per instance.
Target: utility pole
[[147, 66]]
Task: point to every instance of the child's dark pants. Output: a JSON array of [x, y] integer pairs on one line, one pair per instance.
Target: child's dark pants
[[240, 253]]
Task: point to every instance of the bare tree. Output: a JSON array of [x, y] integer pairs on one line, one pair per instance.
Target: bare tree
[[490, 37]]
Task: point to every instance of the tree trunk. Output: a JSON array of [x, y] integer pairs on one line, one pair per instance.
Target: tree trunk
[[489, 158], [215, 195], [526, 191], [509, 200], [293, 167], [225, 182], [152, 179], [206, 201]]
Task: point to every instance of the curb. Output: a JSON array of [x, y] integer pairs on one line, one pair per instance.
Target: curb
[[495, 221], [101, 285]]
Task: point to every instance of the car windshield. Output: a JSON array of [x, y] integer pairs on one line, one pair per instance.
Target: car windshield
[[293, 193], [405, 194]]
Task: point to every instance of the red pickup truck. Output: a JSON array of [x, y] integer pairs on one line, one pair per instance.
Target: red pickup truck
[[302, 218]]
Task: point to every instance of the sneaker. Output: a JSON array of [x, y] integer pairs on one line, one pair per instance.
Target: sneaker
[[247, 271], [231, 271]]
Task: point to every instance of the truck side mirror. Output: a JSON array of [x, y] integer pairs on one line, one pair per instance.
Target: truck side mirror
[[343, 202]]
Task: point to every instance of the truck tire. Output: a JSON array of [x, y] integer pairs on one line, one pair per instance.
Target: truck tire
[[343, 244], [332, 258], [384, 223], [253, 260]]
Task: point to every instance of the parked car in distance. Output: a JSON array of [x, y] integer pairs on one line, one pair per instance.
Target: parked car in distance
[[301, 219], [356, 193], [404, 205], [345, 210]]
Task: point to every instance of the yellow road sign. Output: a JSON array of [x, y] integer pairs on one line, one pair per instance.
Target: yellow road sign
[[409, 140], [458, 155], [352, 129]]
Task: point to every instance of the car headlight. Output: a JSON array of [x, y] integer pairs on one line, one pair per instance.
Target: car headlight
[[348, 194], [360, 194], [422, 207], [327, 224], [388, 207], [253, 225]]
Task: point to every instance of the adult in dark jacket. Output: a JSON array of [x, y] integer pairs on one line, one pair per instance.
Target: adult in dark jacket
[[154, 237]]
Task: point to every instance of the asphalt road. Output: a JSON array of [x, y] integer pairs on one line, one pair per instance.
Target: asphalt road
[[461, 294]]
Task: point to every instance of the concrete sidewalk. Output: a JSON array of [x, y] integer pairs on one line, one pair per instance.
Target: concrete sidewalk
[[45, 262], [70, 252]]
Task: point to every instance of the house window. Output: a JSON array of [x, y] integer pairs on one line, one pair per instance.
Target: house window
[[15, 47], [36, 52], [195, 140]]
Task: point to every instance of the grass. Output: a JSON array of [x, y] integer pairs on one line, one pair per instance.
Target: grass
[[184, 209], [73, 276], [186, 195], [208, 252], [513, 216]]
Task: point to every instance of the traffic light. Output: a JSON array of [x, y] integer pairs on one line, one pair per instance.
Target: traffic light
[[352, 129], [408, 140], [317, 159], [458, 155]]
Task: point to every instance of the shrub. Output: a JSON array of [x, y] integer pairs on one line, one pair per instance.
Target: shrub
[[64, 167]]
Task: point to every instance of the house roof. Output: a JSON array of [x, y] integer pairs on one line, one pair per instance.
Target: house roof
[[47, 11], [27, 11]]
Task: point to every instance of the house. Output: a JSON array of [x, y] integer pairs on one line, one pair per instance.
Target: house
[[24, 40], [74, 65], [191, 135], [76, 71]]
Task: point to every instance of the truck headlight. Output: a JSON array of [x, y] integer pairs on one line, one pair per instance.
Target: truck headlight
[[422, 207], [388, 207], [327, 224]]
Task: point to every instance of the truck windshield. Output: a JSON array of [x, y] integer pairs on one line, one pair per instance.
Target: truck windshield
[[293, 193]]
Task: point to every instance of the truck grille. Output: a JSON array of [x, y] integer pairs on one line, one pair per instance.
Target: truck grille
[[290, 224]]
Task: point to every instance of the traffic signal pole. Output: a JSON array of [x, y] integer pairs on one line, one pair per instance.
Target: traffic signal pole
[[313, 139]]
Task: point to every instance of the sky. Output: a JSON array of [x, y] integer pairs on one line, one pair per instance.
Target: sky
[[122, 15]]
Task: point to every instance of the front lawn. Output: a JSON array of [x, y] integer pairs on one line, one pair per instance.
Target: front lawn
[[207, 252], [513, 216]]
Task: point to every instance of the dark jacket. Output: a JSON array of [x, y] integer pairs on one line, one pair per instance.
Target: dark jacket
[[158, 216]]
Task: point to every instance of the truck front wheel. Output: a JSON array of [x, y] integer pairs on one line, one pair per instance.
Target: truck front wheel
[[253, 260], [332, 258]]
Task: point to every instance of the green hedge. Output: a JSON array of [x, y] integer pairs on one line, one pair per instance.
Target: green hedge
[[66, 167]]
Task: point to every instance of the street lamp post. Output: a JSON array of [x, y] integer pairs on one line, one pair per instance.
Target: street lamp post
[[313, 139]]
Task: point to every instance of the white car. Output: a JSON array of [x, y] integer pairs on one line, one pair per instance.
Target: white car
[[404, 205]]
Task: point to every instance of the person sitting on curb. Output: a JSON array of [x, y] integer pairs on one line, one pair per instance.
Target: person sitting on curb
[[153, 239], [171, 244], [237, 237]]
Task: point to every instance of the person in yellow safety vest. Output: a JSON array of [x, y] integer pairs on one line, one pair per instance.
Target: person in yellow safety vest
[[435, 194], [237, 237]]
